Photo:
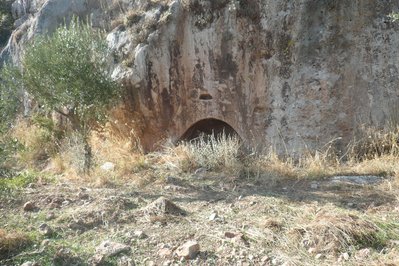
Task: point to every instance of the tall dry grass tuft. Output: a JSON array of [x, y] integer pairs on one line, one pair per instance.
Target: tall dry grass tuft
[[270, 166], [122, 151], [337, 233], [224, 154], [38, 144], [372, 143], [210, 153], [374, 152], [11, 243], [213, 152]]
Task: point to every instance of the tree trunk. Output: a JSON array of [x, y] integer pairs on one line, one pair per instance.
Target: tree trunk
[[77, 127], [87, 155]]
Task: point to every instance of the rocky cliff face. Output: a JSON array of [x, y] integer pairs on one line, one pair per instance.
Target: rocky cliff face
[[291, 74]]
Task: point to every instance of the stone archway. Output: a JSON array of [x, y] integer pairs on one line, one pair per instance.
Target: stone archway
[[208, 126]]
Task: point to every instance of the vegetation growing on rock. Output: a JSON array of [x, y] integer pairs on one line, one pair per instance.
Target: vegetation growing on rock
[[229, 204], [6, 21]]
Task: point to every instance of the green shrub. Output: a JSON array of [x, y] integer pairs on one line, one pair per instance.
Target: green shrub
[[6, 21], [67, 72], [9, 106], [18, 182]]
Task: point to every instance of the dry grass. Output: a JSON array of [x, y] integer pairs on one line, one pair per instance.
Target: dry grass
[[372, 143], [133, 17], [375, 152], [11, 243], [329, 233], [224, 154], [38, 144], [213, 153]]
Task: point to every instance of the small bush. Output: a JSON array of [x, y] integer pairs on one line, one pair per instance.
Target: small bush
[[372, 143], [67, 72], [337, 233], [10, 104], [18, 182], [133, 17], [11, 243], [72, 150], [9, 147], [206, 12], [37, 142], [213, 152]]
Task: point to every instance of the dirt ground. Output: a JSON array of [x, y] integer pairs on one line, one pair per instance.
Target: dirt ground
[[234, 221]]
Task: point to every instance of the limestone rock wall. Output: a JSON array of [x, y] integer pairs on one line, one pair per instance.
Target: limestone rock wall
[[289, 74]]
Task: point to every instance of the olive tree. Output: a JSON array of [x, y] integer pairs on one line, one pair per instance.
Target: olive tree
[[10, 103], [10, 96], [67, 72]]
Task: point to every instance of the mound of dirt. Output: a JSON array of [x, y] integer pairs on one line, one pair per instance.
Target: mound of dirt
[[163, 206]]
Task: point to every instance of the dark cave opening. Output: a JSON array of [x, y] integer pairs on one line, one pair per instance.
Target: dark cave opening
[[208, 127]]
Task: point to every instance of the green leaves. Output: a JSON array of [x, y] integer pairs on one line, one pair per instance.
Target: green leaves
[[10, 95], [394, 16], [6, 21], [68, 70]]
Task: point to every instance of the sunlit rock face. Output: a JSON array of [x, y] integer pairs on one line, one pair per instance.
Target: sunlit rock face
[[288, 74]]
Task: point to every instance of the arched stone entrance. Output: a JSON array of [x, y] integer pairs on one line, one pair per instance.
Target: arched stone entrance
[[208, 126]]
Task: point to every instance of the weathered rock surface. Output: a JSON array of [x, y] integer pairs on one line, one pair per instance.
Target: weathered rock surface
[[46, 230], [163, 206], [30, 263], [285, 73], [188, 250], [108, 249], [356, 180], [29, 206]]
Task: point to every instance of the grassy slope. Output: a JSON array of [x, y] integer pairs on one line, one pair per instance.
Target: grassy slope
[[279, 212], [281, 221]]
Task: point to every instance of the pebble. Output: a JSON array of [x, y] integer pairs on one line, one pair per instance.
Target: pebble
[[108, 166], [29, 206], [363, 253], [125, 261], [53, 205], [30, 263], [344, 256], [188, 250], [82, 195], [45, 243], [314, 186], [230, 234], [213, 216], [109, 248], [164, 252], [45, 230], [311, 250], [140, 234], [50, 216]]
